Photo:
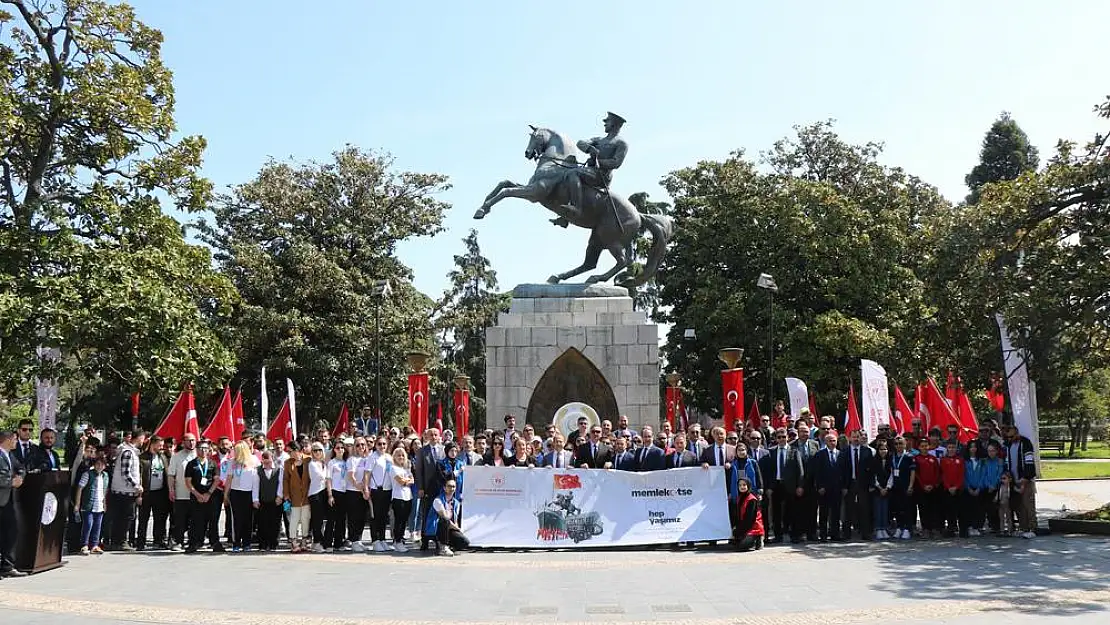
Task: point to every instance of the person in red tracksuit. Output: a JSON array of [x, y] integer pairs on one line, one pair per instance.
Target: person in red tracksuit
[[926, 489], [953, 468]]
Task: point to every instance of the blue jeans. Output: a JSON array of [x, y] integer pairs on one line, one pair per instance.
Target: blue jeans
[[90, 529], [414, 516], [881, 507]]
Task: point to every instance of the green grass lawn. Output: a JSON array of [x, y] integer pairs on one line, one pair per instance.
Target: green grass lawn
[[1094, 450], [1064, 469]]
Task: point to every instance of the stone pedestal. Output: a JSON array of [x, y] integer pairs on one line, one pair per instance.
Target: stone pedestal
[[564, 343]]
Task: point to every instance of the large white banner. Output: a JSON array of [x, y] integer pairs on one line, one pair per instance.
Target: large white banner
[[1023, 400], [550, 509], [799, 396], [876, 397]]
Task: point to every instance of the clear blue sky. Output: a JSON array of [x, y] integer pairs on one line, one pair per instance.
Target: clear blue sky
[[449, 87]]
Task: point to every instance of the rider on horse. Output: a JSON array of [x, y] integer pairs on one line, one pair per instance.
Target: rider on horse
[[606, 154]]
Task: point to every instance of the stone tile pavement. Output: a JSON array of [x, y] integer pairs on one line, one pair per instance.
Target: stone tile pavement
[[1048, 580]]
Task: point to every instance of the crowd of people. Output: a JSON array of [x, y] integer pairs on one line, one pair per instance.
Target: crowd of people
[[798, 478]]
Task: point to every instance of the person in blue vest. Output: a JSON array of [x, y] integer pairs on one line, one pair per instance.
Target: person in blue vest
[[742, 467], [445, 522]]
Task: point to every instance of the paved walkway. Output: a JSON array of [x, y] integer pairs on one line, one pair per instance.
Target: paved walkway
[[1048, 580]]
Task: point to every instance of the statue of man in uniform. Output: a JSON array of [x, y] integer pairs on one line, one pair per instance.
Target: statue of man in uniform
[[606, 154]]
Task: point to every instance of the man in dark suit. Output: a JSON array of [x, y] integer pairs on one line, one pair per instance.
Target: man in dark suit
[[623, 460], [11, 478], [649, 457], [594, 454], [558, 458], [26, 452], [680, 457], [777, 483], [826, 483], [803, 513], [426, 475], [49, 460], [856, 476]]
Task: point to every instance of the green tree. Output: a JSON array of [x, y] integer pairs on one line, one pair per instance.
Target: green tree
[[88, 261], [467, 308], [305, 245], [836, 229], [646, 296], [1006, 154]]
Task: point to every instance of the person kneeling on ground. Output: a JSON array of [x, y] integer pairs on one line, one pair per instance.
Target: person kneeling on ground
[[445, 520], [749, 524]]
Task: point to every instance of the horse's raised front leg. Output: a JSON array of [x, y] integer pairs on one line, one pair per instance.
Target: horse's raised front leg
[[488, 204], [617, 250], [593, 253]]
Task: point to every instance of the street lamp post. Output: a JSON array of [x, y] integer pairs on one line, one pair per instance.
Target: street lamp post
[[767, 282], [382, 290]]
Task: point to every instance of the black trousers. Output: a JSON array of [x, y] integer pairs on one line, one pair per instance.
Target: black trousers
[[380, 499], [828, 515], [318, 511], [952, 511], [425, 510], [803, 513], [927, 509], [156, 503], [8, 532], [268, 515], [336, 531], [989, 508], [122, 507], [779, 500], [401, 511], [448, 537], [204, 521], [242, 518], [182, 520], [857, 512], [901, 509], [357, 509]]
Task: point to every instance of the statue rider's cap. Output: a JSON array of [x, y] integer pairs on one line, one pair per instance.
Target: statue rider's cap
[[617, 118]]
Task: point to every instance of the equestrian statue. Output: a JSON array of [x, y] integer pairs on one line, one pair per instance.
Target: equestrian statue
[[579, 194]]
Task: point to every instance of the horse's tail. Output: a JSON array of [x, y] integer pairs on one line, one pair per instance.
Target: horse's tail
[[661, 228]]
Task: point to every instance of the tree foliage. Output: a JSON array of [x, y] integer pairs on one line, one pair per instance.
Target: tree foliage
[[838, 231], [1006, 154], [88, 261], [469, 306], [304, 245]]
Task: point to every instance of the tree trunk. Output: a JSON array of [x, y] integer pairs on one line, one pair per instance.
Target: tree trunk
[[1084, 433], [1073, 434]]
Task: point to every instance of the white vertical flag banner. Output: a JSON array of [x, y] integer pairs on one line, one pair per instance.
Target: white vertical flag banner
[[799, 396], [264, 403], [1022, 399], [876, 397], [46, 391], [292, 405]]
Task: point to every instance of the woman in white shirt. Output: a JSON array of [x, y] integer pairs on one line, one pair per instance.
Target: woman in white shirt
[[380, 488], [401, 475], [357, 496], [317, 496], [335, 533], [241, 478]]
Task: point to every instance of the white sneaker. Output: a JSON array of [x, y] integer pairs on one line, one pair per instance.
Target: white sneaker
[[378, 546], [446, 551], [400, 547], [358, 547], [318, 548], [1028, 535], [388, 546], [906, 535], [973, 532]]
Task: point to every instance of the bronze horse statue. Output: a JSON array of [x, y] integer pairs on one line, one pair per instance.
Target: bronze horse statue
[[614, 223]]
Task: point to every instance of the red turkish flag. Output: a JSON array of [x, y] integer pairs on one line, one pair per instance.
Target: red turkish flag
[[342, 423], [853, 421], [919, 405], [567, 482], [134, 407], [173, 424], [418, 401], [903, 420], [754, 418], [282, 426], [462, 412], [237, 413], [439, 416], [732, 395], [965, 414], [813, 408], [940, 413], [222, 423], [674, 404]]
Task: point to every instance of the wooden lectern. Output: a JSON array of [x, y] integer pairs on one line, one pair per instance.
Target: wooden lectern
[[41, 506]]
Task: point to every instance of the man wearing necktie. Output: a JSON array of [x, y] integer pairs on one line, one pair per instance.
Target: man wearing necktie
[[649, 457], [826, 481], [49, 460], [719, 454], [803, 514], [681, 457], [777, 485], [623, 460], [594, 454], [856, 473], [11, 478], [26, 452]]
